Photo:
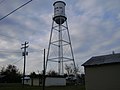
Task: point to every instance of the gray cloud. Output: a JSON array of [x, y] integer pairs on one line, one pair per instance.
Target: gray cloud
[[93, 26]]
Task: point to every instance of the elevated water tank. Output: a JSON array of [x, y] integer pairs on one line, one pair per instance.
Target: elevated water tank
[[59, 12]]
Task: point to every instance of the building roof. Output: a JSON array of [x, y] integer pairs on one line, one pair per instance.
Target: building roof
[[104, 59]]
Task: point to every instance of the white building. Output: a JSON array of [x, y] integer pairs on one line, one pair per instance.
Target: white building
[[55, 81], [49, 81]]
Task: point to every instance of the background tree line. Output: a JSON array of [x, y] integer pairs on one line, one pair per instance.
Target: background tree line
[[10, 74]]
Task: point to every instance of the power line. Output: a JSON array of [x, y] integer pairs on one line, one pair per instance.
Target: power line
[[17, 61], [9, 52], [36, 51], [6, 51], [14, 62], [18, 51], [15, 9]]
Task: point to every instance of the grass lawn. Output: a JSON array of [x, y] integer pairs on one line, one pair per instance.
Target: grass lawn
[[20, 87]]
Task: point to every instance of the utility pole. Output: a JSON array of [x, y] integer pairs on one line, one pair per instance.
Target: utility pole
[[44, 71], [24, 53]]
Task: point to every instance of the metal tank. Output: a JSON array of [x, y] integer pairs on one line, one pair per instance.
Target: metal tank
[[60, 47], [59, 12]]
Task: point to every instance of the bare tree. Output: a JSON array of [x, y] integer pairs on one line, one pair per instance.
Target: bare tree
[[67, 68], [70, 69], [52, 73]]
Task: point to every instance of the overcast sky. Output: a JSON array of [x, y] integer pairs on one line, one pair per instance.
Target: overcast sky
[[94, 27]]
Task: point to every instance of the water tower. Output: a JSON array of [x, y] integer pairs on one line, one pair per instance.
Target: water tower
[[60, 48]]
